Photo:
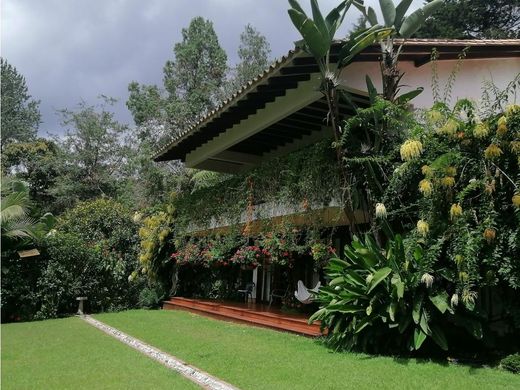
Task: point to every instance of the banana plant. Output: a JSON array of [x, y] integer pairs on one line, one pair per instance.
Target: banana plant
[[402, 27], [318, 34]]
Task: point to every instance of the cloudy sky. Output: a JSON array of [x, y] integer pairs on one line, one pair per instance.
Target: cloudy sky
[[72, 50]]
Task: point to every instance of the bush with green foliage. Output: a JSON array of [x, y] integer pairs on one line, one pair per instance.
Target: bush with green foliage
[[455, 275], [387, 300], [511, 363], [92, 252]]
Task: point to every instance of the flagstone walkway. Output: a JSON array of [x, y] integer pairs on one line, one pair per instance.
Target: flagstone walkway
[[194, 374]]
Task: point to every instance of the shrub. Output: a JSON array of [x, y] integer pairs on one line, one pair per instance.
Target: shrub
[[386, 300], [511, 363], [91, 253]]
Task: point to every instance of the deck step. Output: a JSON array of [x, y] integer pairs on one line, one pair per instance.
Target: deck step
[[278, 321]]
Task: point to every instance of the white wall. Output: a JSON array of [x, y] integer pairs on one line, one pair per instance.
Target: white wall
[[468, 82]]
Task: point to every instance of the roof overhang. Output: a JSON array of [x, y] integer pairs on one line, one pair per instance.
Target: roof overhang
[[282, 110]]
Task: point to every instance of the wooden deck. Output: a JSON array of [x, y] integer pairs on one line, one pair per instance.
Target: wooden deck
[[250, 313]]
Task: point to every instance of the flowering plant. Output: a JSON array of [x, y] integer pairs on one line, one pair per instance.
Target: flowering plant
[[321, 253], [189, 254], [251, 256], [281, 247]]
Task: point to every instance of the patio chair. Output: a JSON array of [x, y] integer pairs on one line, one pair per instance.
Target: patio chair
[[277, 293], [306, 295], [247, 291]]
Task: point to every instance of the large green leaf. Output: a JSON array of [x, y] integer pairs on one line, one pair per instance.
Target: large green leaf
[[440, 301], [344, 308], [406, 97], [355, 277], [439, 337], [336, 16], [371, 16], [400, 11], [319, 21], [375, 34], [388, 10], [423, 323], [378, 277], [372, 91], [418, 338], [315, 42], [294, 4], [416, 310], [413, 22], [362, 324]]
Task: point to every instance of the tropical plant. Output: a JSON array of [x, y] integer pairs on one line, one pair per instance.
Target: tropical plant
[[318, 34], [399, 25], [18, 227], [385, 300]]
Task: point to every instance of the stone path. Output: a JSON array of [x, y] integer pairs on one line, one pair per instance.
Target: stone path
[[194, 374]]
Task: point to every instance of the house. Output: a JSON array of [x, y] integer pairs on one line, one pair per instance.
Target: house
[[281, 111]]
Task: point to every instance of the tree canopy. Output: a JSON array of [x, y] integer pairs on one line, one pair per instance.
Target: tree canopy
[[20, 115], [474, 19]]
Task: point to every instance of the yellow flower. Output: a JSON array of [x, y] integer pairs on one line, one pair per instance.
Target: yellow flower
[[411, 149], [489, 234], [490, 187], [469, 297], [492, 151], [426, 187], [451, 171], [481, 130], [459, 259], [463, 276], [515, 146], [380, 211], [449, 128], [434, 116], [448, 181], [512, 108], [516, 200], [502, 126], [426, 170], [422, 227], [455, 211]]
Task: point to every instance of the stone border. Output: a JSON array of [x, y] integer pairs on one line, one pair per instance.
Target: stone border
[[194, 374]]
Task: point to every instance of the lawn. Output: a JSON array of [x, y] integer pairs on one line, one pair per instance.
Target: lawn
[[253, 358], [70, 354]]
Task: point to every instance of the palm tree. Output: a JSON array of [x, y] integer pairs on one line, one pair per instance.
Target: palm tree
[[18, 228]]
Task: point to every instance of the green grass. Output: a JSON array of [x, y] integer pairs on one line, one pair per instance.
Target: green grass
[[70, 354], [253, 358]]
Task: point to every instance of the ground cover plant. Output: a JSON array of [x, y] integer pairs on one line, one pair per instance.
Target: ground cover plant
[[70, 354], [254, 358]]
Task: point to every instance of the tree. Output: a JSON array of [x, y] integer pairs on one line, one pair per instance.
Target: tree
[[19, 229], [37, 164], [20, 116], [192, 81], [253, 53], [476, 19], [91, 153]]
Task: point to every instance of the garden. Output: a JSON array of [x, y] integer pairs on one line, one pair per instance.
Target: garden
[[419, 288]]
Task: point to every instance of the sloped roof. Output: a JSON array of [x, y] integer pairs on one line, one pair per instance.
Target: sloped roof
[[296, 64]]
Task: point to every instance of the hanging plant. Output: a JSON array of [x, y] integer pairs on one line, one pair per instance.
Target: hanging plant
[[250, 256]]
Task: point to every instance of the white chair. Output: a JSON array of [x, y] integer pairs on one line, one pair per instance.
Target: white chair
[[306, 295]]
